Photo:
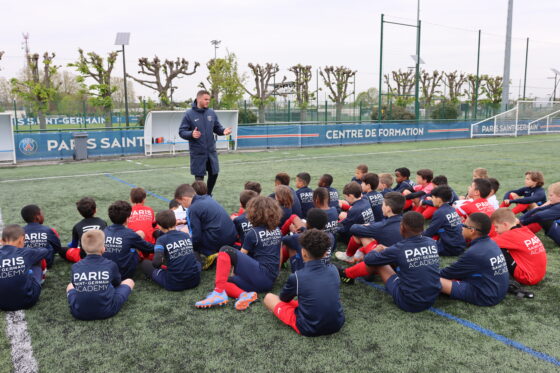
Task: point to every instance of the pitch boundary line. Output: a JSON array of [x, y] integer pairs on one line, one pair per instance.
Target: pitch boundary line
[[487, 332], [275, 159], [20, 340], [134, 186]]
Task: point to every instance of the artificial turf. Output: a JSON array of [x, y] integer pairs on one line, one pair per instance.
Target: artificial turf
[[161, 331]]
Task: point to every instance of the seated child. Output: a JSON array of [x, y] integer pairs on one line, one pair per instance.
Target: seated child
[[96, 291], [39, 235], [175, 249], [304, 193], [121, 242], [370, 182], [480, 276], [283, 196], [494, 186], [321, 201], [524, 252], [256, 265], [385, 183], [402, 176], [326, 182], [210, 225], [317, 219], [359, 173], [142, 218], [415, 286], [180, 214], [478, 192], [422, 188], [317, 310], [427, 207], [528, 197], [446, 224], [249, 185], [478, 173], [20, 268], [283, 178], [87, 208], [241, 222], [200, 187], [547, 216], [385, 232], [359, 213]]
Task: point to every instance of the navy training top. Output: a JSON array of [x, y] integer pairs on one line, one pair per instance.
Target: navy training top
[[121, 244], [387, 232], [375, 199], [305, 197], [528, 195], [39, 235], [541, 214], [242, 225], [263, 245], [446, 223], [359, 213], [182, 266]]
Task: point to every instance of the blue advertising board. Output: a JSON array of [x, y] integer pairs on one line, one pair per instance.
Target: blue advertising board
[[74, 120], [60, 145], [264, 136]]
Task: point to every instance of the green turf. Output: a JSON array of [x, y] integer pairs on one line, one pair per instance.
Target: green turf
[[5, 358], [161, 331]]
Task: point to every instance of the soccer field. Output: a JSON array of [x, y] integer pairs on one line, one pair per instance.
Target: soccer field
[[160, 331]]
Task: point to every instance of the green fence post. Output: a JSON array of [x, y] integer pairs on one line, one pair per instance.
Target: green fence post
[[245, 109], [326, 105], [289, 112], [15, 115], [144, 114]]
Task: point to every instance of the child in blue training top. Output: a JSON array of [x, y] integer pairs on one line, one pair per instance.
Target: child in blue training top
[[530, 196], [375, 198], [321, 201], [96, 291], [317, 310], [326, 182], [182, 269], [39, 235], [256, 265], [304, 193], [241, 222], [359, 173], [20, 270]]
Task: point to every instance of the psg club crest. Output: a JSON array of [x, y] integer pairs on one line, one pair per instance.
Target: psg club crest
[[28, 146], [209, 118]]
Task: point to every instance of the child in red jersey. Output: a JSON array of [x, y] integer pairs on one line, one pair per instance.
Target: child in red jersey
[[423, 187], [478, 194], [142, 217], [524, 252]]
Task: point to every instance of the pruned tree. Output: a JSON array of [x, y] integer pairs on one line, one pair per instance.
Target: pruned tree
[[400, 84], [454, 82], [429, 83], [303, 96], [1, 54], [39, 90], [223, 82], [492, 88], [118, 95], [68, 82], [162, 75], [470, 92], [92, 65], [336, 79], [262, 95], [368, 98]]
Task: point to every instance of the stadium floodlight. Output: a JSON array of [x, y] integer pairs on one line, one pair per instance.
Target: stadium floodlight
[[122, 39], [216, 44], [555, 77]]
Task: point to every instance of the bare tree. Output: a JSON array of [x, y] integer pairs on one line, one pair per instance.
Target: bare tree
[[262, 94], [1, 54], [118, 95], [404, 82], [454, 82], [470, 91], [69, 83], [492, 88], [303, 77], [336, 79], [429, 82], [162, 75]]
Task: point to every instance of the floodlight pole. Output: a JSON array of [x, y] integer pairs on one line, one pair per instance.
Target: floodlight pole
[[380, 72], [417, 79], [477, 83], [125, 88], [507, 57], [525, 76]]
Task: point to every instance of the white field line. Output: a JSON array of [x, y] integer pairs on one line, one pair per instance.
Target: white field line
[[22, 352], [276, 159]]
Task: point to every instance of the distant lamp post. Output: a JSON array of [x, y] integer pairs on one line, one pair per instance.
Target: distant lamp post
[[123, 39], [216, 44], [556, 73]]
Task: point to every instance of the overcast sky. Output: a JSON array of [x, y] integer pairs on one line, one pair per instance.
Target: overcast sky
[[289, 32]]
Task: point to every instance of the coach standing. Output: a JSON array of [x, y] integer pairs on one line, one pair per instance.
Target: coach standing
[[198, 126]]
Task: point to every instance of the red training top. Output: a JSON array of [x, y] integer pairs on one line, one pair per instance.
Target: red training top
[[143, 219], [527, 251]]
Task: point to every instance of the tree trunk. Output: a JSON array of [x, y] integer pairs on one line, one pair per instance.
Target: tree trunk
[[338, 114], [303, 115], [42, 120], [261, 118], [108, 118]]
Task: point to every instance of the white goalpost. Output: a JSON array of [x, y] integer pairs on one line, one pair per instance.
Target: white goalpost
[[7, 146]]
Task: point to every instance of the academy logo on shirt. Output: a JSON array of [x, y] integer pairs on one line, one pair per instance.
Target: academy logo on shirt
[[91, 281], [534, 245], [453, 218], [209, 118], [12, 267], [422, 256], [179, 248], [498, 264], [368, 216], [306, 197]]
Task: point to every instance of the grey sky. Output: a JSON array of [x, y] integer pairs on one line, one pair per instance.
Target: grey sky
[[311, 32]]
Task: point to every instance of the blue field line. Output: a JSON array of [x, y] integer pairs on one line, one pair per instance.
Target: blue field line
[[134, 186], [480, 329]]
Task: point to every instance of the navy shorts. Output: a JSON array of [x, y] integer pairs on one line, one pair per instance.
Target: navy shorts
[[161, 277], [250, 275], [393, 287], [120, 296], [360, 230]]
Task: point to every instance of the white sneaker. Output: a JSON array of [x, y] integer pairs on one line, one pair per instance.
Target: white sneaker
[[341, 255], [359, 256]]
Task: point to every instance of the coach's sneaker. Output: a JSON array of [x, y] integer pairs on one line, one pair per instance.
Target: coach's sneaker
[[341, 255], [209, 261], [343, 278], [245, 299], [214, 299]]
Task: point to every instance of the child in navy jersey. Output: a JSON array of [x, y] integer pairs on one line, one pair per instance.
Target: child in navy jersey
[[317, 310], [547, 216], [385, 183], [39, 235], [20, 269], [415, 285], [402, 177], [528, 197], [304, 193], [480, 276], [87, 208], [256, 265], [174, 249], [241, 222], [284, 198], [427, 207], [359, 213], [326, 182], [375, 198], [359, 173], [121, 242], [96, 291], [445, 226], [321, 201], [283, 178], [317, 219], [385, 232], [200, 187]]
